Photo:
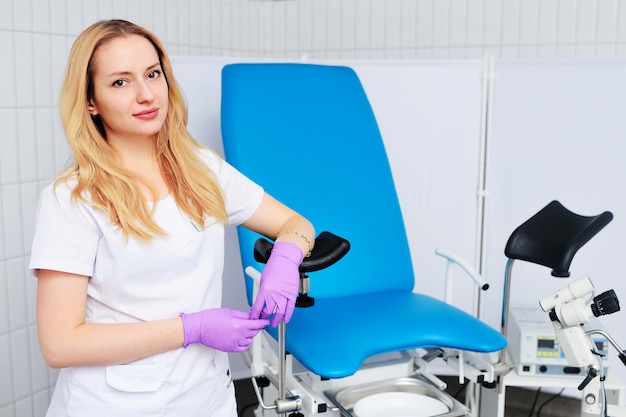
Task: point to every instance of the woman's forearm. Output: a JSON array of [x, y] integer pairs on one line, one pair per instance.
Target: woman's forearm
[[92, 344], [66, 339]]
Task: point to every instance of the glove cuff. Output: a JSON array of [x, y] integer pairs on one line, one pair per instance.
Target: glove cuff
[[288, 250], [188, 329]]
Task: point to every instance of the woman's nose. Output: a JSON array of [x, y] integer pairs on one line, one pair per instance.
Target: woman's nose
[[144, 92]]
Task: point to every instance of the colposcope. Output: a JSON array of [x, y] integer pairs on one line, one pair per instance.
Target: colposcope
[[569, 310]]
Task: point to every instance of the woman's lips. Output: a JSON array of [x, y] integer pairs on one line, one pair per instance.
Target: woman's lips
[[147, 114]]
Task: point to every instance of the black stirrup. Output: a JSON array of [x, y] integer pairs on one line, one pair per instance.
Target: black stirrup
[[553, 236]]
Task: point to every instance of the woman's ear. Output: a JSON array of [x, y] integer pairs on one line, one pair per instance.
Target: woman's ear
[[92, 109]]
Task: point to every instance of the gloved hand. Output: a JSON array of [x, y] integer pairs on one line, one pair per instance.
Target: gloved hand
[[280, 280], [221, 328]]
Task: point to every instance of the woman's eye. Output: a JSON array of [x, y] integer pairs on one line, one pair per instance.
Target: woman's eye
[[119, 83], [154, 74]]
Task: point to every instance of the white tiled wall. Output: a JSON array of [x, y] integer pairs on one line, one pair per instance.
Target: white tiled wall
[[35, 36]]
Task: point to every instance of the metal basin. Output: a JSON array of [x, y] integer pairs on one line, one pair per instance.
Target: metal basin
[[347, 398]]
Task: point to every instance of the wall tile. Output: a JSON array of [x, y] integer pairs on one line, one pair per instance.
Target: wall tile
[[27, 145], [475, 32], [493, 22], [7, 411], [621, 27], [75, 18], [606, 51], [546, 51], [62, 151], [408, 28], [41, 400], [58, 16], [195, 22], [43, 77], [292, 30], [22, 15], [59, 48], [424, 24], [104, 10], [41, 16], [11, 217], [25, 69], [510, 34], [440, 23], [392, 24], [9, 149], [30, 198], [458, 24], [18, 304], [45, 141], [171, 23], [90, 16], [360, 21], [119, 9], [6, 17], [5, 325], [335, 26], [24, 407], [8, 97], [565, 51], [529, 10], [586, 21], [377, 25], [566, 23], [585, 51], [607, 21], [319, 26], [547, 19], [7, 388], [136, 14], [39, 368], [159, 23], [20, 358]]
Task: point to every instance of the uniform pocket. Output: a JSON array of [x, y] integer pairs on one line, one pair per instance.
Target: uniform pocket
[[135, 378], [136, 391]]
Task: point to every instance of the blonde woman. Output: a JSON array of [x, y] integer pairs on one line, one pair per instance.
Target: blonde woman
[[129, 243]]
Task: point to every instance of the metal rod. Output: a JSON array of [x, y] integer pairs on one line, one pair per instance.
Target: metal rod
[[505, 306], [282, 362]]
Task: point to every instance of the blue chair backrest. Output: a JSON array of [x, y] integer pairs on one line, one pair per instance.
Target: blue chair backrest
[[308, 135]]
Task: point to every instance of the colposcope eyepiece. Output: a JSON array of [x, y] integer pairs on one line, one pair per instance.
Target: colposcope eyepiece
[[605, 303]]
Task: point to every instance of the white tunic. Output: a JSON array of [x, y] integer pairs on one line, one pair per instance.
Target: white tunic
[[133, 281]]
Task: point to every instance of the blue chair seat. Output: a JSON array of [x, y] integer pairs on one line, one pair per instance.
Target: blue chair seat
[[327, 338]]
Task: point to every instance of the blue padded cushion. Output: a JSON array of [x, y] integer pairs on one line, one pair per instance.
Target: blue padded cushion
[[308, 135], [329, 337]]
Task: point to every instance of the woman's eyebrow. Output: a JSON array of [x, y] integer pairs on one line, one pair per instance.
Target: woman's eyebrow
[[126, 72]]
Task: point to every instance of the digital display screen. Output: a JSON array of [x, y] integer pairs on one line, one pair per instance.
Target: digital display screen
[[545, 343]]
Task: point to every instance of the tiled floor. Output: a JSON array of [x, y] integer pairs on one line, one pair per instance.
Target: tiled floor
[[519, 402]]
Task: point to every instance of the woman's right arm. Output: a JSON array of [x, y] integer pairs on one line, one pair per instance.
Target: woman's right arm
[[67, 340]]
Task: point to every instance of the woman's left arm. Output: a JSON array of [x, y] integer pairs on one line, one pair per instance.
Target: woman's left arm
[[294, 237], [280, 223]]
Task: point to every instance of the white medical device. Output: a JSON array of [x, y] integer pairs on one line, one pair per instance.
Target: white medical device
[[570, 309], [536, 351]]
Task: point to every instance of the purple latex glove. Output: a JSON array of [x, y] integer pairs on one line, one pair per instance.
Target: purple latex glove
[[221, 328], [280, 281]]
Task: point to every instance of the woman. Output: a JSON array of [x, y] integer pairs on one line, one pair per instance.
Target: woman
[[129, 243]]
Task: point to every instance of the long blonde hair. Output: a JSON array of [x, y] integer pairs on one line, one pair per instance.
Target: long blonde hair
[[96, 169]]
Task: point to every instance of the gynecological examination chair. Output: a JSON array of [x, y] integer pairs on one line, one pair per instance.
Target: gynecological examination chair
[[361, 341]]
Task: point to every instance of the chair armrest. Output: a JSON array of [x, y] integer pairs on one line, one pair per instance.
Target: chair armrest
[[329, 248]]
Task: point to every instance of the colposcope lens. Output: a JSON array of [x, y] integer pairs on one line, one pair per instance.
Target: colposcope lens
[[605, 303]]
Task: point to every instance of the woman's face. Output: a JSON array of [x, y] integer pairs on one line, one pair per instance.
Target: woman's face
[[130, 90]]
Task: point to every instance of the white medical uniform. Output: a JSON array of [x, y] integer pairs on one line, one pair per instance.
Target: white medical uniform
[[133, 281]]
